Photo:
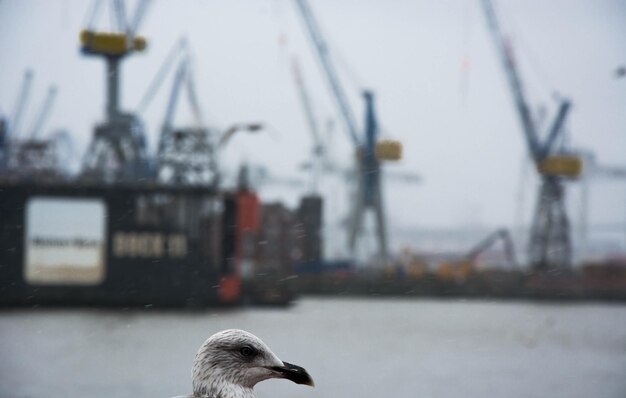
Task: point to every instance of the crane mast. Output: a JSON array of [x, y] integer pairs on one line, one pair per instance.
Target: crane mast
[[118, 150]]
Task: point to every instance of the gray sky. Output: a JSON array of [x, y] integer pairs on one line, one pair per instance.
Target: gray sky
[[463, 138]]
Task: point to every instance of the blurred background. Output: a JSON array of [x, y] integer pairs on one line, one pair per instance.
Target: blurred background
[[430, 194]]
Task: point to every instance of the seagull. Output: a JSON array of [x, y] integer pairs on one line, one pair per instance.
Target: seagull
[[231, 362]]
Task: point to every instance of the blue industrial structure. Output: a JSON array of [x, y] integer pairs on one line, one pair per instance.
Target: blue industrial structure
[[550, 245], [369, 192]]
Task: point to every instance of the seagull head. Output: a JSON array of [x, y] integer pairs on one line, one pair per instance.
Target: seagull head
[[231, 362]]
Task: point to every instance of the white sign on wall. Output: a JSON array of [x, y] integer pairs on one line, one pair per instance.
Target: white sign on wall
[[65, 241]]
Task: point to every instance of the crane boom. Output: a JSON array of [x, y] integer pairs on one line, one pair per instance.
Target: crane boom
[[324, 58], [506, 53], [140, 12], [306, 104], [179, 50], [92, 14], [120, 15], [500, 234], [318, 146], [564, 108], [183, 78], [44, 112], [192, 96], [611, 171], [179, 78], [22, 99]]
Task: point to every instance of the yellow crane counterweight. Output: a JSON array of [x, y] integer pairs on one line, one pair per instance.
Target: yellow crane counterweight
[[569, 166], [389, 150], [112, 44]]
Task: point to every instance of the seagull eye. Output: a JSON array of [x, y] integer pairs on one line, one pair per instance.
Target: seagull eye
[[246, 351]]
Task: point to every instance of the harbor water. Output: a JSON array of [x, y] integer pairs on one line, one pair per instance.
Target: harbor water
[[366, 348]]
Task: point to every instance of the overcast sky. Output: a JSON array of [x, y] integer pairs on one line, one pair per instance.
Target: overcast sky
[[458, 125]]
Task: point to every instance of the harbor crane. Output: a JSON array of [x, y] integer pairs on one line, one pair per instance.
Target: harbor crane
[[118, 150], [185, 155], [34, 155], [321, 162], [31, 155], [369, 150], [550, 247]]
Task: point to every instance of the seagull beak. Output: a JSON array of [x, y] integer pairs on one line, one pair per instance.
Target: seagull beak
[[294, 373]]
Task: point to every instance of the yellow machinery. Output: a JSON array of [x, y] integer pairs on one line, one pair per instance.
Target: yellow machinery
[[389, 150], [385, 150], [460, 270], [122, 40], [569, 166], [455, 270]]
